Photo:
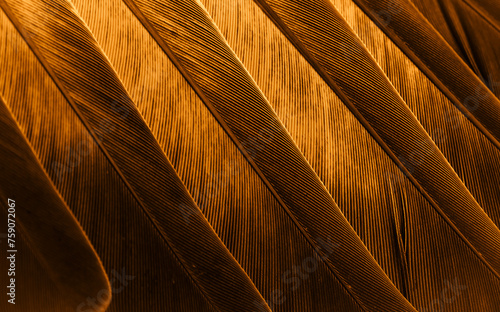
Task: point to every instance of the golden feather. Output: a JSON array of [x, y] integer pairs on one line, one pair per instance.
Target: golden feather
[[251, 155]]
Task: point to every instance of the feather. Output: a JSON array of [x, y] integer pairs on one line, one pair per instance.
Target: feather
[[229, 192], [130, 169], [427, 49], [42, 233], [476, 28], [261, 155], [258, 151], [469, 152], [353, 194], [403, 138]]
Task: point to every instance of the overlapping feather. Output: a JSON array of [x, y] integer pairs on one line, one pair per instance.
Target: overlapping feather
[[262, 155]]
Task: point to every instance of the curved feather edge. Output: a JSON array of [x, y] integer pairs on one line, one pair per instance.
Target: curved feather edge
[[122, 235], [51, 231], [207, 261]]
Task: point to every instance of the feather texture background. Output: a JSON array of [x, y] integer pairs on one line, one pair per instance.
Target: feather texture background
[[246, 155]]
